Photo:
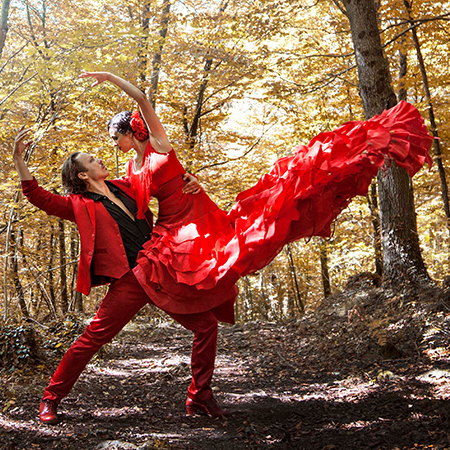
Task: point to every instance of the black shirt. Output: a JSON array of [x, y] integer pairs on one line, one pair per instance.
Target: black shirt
[[133, 232]]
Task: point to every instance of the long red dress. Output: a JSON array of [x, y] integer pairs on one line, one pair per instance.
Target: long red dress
[[197, 251]]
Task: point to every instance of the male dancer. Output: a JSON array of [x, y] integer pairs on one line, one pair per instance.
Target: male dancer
[[111, 237]]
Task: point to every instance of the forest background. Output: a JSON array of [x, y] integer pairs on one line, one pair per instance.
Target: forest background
[[236, 85]]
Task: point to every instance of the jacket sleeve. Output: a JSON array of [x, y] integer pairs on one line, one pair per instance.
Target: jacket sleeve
[[52, 204]]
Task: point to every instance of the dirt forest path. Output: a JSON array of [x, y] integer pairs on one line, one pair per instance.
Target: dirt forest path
[[323, 382]]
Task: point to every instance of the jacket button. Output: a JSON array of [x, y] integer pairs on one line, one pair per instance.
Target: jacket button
[[90, 253]]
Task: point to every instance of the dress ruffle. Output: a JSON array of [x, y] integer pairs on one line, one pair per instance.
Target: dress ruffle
[[198, 252]]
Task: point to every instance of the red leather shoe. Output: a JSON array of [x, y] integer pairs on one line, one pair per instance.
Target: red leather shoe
[[47, 412], [208, 407]]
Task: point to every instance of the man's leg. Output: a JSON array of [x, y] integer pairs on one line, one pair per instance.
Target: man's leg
[[123, 300]]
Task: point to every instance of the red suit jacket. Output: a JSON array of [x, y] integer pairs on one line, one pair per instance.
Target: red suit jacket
[[102, 254]]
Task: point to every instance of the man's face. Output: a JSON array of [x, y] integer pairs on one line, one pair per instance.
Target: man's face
[[95, 169]]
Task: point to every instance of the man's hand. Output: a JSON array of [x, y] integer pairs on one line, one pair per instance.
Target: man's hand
[[19, 147]]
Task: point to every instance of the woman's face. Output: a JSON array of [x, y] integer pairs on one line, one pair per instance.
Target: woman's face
[[124, 142]]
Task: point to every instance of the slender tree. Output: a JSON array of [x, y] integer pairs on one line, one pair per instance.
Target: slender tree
[[157, 55], [63, 266], [402, 259], [51, 259], [15, 273], [77, 297], [372, 201], [324, 269], [434, 128], [192, 129], [298, 297], [143, 44], [4, 24]]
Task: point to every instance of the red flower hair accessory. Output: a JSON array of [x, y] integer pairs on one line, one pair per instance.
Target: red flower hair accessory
[[138, 126]]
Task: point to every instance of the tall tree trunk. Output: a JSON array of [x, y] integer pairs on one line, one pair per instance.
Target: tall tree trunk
[[246, 309], [157, 56], [77, 297], [264, 304], [4, 24], [298, 297], [16, 278], [372, 201], [324, 269], [434, 130], [192, 131], [79, 301], [402, 259], [6, 286], [8, 252], [32, 303], [143, 43], [402, 70], [51, 281], [63, 266]]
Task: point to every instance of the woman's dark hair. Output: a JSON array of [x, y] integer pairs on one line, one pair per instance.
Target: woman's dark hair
[[121, 122], [69, 174]]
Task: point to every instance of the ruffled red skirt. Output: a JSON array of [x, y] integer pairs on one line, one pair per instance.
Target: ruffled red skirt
[[198, 252]]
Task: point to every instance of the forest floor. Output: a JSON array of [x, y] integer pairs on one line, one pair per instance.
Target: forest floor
[[364, 371]]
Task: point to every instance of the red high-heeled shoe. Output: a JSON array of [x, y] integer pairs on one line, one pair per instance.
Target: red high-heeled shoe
[[208, 407]]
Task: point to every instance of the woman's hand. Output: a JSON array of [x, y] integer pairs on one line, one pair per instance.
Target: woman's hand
[[100, 77], [192, 186]]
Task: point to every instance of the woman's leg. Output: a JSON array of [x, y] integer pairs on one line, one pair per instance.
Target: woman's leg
[[204, 327]]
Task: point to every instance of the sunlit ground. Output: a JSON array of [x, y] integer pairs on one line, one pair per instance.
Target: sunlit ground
[[148, 370]]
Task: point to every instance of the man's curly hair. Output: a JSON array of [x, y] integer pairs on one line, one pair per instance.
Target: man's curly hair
[[69, 174]]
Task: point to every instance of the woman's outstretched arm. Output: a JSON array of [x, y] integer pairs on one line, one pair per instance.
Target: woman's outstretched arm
[[159, 141]]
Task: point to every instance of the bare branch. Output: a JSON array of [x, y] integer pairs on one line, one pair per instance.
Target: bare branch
[[222, 163], [340, 6], [12, 56], [16, 88]]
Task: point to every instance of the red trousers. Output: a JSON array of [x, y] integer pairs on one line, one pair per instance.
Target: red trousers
[[123, 300]]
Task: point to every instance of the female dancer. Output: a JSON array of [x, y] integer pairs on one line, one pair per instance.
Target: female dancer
[[197, 251]]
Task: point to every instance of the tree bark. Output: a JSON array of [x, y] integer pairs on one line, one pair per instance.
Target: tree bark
[[298, 298], [324, 269], [157, 56], [246, 310], [372, 201], [143, 44], [402, 71], [51, 281], [16, 278], [77, 297], [195, 124], [402, 259], [4, 25], [62, 266], [264, 305]]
